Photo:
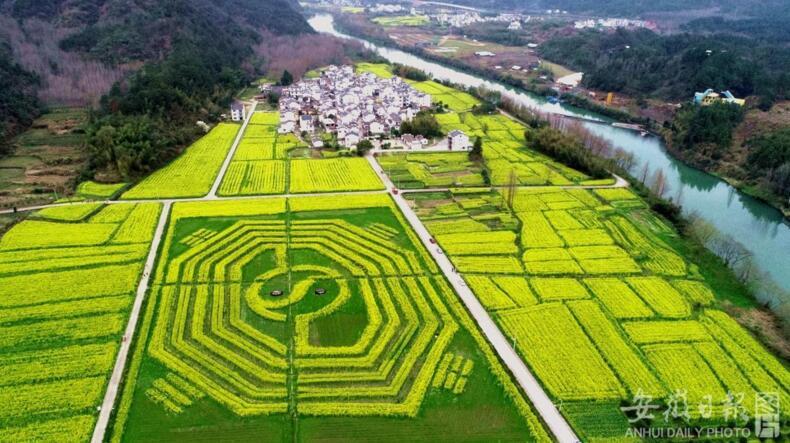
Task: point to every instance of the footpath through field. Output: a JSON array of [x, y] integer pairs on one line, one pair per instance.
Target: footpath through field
[[231, 152], [120, 363], [543, 404]]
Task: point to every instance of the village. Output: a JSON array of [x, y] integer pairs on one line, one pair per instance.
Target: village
[[353, 107]]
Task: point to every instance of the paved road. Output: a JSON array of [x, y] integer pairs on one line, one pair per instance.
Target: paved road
[[213, 192], [541, 401], [120, 362]]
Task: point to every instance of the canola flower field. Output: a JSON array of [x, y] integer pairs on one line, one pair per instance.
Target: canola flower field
[[314, 317], [264, 164], [68, 281], [601, 306], [191, 174]]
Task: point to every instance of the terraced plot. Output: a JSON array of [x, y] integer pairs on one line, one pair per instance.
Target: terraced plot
[[358, 334], [606, 309], [406, 20], [66, 291], [455, 100]]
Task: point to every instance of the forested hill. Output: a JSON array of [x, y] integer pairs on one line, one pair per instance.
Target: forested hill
[[642, 63], [162, 65], [18, 103], [119, 31]]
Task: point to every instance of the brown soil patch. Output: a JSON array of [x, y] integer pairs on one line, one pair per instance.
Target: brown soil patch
[[766, 326]]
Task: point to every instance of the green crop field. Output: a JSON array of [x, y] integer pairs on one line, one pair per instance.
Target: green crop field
[[366, 342], [504, 148], [64, 299], [379, 69], [426, 170], [406, 20], [599, 304]]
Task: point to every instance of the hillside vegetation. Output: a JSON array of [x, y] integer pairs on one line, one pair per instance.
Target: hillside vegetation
[[643, 63], [18, 104], [186, 55]]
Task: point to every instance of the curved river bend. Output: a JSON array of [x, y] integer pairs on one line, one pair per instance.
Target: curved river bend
[[761, 228]]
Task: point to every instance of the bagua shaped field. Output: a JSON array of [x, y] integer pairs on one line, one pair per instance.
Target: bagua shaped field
[[366, 342]]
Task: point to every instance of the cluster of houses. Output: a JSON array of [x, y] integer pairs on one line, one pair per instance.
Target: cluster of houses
[[467, 18], [611, 23], [352, 106]]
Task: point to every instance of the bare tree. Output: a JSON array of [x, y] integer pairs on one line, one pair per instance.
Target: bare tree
[[67, 78], [645, 173], [659, 183]]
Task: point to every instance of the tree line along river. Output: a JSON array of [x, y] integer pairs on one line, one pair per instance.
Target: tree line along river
[[759, 227]]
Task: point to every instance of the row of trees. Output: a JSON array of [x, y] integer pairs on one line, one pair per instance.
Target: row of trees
[[769, 161]]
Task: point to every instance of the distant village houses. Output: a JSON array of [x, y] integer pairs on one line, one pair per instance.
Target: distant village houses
[[353, 107]]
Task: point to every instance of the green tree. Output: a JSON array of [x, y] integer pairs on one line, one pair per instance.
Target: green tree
[[287, 78], [364, 147], [424, 123], [476, 153]]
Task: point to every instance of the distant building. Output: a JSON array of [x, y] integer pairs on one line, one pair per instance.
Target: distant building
[[306, 123], [237, 111], [411, 142], [710, 97], [514, 26], [458, 141], [352, 106], [484, 54], [571, 80]]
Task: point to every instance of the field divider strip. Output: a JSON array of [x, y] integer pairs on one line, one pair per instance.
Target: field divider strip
[[114, 383], [231, 153], [537, 396]]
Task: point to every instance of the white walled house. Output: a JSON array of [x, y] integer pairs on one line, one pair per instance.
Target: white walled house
[[411, 142], [306, 123], [377, 128], [352, 139], [237, 111], [458, 141]]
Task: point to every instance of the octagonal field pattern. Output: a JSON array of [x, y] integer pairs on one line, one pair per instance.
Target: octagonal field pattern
[[297, 318]]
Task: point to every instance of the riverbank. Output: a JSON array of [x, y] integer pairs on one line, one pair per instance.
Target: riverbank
[[782, 205], [761, 228], [575, 100], [540, 90]]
